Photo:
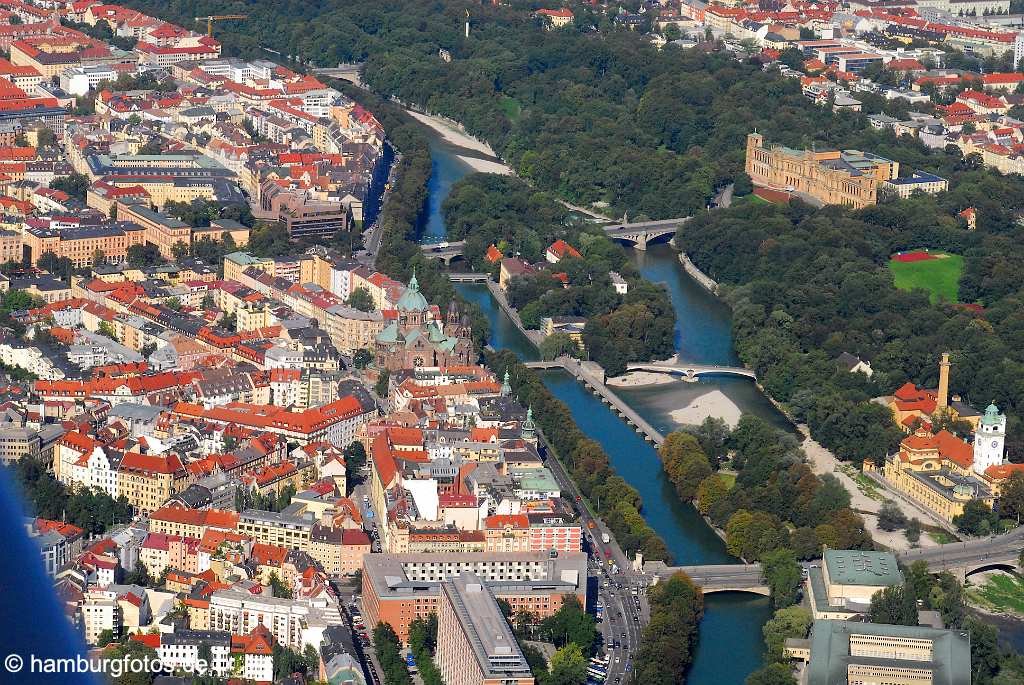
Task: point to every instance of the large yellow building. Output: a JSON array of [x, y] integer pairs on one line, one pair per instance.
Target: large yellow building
[[937, 472], [147, 481], [847, 177]]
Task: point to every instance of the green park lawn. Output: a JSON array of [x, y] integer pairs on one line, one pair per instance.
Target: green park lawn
[[940, 277], [1000, 593]]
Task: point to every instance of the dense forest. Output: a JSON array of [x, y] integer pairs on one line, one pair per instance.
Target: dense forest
[[806, 285], [486, 209]]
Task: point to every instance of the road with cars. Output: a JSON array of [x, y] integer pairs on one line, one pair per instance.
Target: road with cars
[[621, 589]]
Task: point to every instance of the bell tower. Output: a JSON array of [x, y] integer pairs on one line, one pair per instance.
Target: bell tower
[[989, 439]]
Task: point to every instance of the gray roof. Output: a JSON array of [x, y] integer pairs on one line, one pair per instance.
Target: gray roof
[[950, 662]]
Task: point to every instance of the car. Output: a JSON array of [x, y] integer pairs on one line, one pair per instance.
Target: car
[[624, 636]]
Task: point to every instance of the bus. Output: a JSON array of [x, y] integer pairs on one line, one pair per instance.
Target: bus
[[601, 661], [597, 674], [599, 611]]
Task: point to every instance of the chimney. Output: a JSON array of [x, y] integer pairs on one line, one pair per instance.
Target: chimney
[[943, 399]]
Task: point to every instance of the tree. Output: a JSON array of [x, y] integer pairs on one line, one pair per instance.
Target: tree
[[977, 519], [667, 642], [985, 655], [890, 516], [742, 185], [362, 300], [98, 257], [105, 638], [362, 358], [278, 587], [75, 184], [783, 574], [711, 491], [1011, 497], [568, 666], [792, 621], [558, 345], [138, 576], [772, 674], [47, 138], [570, 624], [381, 386], [107, 329], [355, 460], [180, 250], [896, 605], [144, 255], [684, 462], [913, 531]]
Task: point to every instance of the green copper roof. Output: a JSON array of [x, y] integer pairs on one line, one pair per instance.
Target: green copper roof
[[854, 567], [412, 299], [992, 416]]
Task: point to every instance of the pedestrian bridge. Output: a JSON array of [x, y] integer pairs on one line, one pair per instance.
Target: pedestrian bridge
[[692, 371], [715, 578]]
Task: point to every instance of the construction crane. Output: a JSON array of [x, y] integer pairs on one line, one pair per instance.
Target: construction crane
[[217, 17]]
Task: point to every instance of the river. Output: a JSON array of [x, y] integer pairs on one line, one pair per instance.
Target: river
[[730, 644]]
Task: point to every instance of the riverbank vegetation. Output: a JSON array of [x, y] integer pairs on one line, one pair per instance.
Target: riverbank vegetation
[[776, 502], [668, 642], [807, 284], [617, 502], [487, 209]]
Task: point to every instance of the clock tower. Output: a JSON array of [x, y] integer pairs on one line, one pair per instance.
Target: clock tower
[[989, 438]]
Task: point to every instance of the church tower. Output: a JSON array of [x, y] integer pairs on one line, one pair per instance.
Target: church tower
[[989, 439]]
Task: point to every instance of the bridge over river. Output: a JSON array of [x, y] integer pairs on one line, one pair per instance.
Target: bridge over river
[[638, 234], [691, 371], [963, 559]]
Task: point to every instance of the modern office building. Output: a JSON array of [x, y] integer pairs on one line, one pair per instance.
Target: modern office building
[[842, 587], [475, 645], [849, 653], [398, 588]]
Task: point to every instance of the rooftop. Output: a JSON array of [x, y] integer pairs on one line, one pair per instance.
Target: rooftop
[[831, 660], [854, 567], [488, 633]]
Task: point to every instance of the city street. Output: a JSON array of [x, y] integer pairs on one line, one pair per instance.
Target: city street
[[623, 620]]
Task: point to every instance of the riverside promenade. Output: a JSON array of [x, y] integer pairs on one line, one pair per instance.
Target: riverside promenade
[[592, 376]]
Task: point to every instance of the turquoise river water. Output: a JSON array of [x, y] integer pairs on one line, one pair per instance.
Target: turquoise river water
[[730, 645]]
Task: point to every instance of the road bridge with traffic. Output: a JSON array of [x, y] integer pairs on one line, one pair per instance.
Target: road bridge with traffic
[[640, 233], [715, 577]]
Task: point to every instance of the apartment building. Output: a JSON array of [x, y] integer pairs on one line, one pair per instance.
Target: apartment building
[[475, 645], [274, 528], [340, 551], [292, 622], [176, 519], [163, 231], [149, 480], [81, 244]]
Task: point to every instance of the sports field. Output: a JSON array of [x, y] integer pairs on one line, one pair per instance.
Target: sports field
[[936, 272]]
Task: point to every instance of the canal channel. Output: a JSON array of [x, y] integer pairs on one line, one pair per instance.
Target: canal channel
[[730, 635]]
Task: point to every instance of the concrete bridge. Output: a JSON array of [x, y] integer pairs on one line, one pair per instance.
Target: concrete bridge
[[692, 371], [448, 252], [643, 232], [963, 559], [715, 578], [592, 376], [468, 277]]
